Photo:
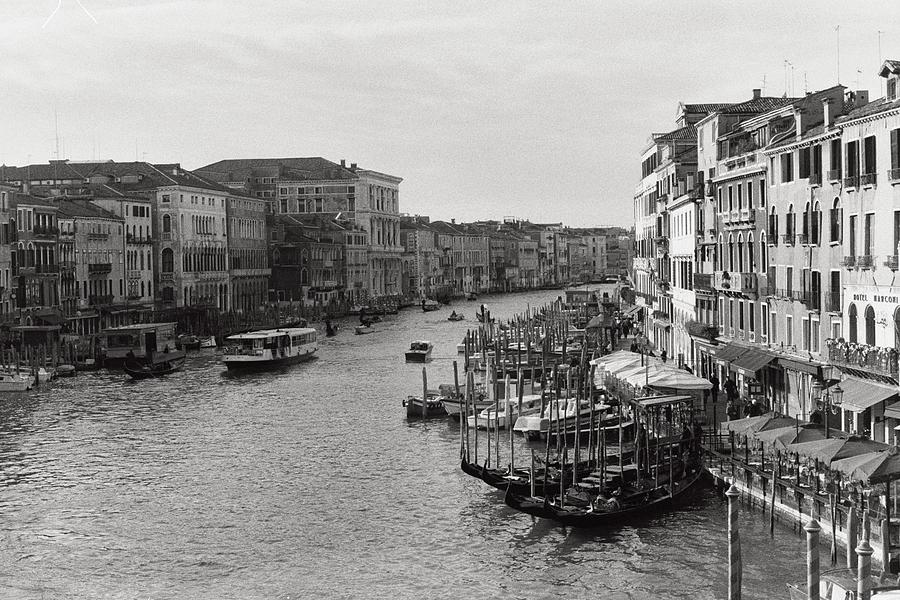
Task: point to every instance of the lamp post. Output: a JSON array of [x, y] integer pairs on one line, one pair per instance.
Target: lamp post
[[827, 393]]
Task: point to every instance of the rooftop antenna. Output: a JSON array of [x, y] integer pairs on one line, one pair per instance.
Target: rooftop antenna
[[858, 73], [764, 85], [880, 79], [838, 30], [56, 128], [805, 84]]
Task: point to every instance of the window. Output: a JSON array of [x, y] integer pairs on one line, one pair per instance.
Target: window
[[751, 317], [762, 193], [773, 226], [167, 224], [870, 326], [773, 330], [804, 156], [166, 198], [895, 153], [741, 315], [892, 89], [852, 159], [817, 160], [814, 335], [852, 323], [804, 340], [835, 220], [764, 321], [749, 194], [789, 281], [730, 197], [787, 167], [851, 246], [869, 155], [789, 330], [835, 160], [815, 224], [867, 234], [168, 260]]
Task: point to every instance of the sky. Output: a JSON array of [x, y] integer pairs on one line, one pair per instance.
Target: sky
[[534, 110]]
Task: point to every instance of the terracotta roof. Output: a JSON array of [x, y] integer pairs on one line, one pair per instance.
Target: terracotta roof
[[757, 105], [706, 108], [872, 108], [684, 133], [293, 169], [71, 208], [30, 200]]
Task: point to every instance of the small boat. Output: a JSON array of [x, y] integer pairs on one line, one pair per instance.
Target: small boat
[[366, 329], [330, 328], [88, 364], [430, 305], [842, 583], [188, 342], [456, 317], [489, 418], [44, 375], [208, 341], [15, 382], [434, 405], [65, 371], [562, 414], [145, 370], [270, 348], [471, 296], [461, 348], [419, 351]]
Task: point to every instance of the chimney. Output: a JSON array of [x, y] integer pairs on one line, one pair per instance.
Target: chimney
[[862, 97], [827, 117], [352, 166], [344, 163], [757, 93], [453, 221]]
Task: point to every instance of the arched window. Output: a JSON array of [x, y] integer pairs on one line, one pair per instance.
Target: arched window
[[815, 225], [789, 223], [740, 253], [852, 316], [167, 224], [773, 226], [168, 260], [870, 326], [751, 254], [731, 261], [806, 217], [835, 221]]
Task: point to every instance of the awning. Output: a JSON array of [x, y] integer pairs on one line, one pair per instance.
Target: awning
[[801, 366], [729, 352], [633, 311], [860, 394], [751, 360], [893, 411], [49, 317]]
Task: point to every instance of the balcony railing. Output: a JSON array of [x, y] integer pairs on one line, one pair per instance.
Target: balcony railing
[[45, 231], [98, 236], [864, 262], [815, 179], [787, 239], [851, 182], [868, 179], [894, 175], [803, 239], [833, 175], [98, 268], [166, 236], [167, 276], [703, 281], [848, 261], [100, 300], [133, 239], [833, 301], [891, 262], [812, 299], [739, 283], [873, 359]]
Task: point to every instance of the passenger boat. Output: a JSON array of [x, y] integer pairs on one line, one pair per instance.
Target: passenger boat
[[11, 381], [430, 305], [270, 348], [143, 342], [419, 351], [145, 370], [489, 418], [434, 405], [843, 583]]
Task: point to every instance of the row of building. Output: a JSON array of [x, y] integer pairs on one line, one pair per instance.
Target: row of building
[[89, 245], [767, 239]]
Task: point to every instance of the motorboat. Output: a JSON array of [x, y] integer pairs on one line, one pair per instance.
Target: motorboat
[[562, 414], [208, 341], [419, 351], [11, 381], [490, 418], [434, 405], [842, 583], [471, 296], [430, 305], [456, 317], [65, 371], [270, 348], [366, 329], [147, 370]]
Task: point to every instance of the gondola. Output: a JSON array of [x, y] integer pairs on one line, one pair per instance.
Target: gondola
[[456, 317], [616, 510], [140, 370], [520, 483]]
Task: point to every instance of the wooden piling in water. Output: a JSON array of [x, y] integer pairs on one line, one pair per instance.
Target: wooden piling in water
[[812, 559], [864, 571], [735, 568]]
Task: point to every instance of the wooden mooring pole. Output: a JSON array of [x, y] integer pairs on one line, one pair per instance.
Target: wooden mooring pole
[[734, 545], [812, 559]]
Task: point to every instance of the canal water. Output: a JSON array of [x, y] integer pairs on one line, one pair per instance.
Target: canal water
[[310, 483]]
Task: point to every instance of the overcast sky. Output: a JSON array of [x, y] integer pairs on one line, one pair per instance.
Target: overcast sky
[[536, 110]]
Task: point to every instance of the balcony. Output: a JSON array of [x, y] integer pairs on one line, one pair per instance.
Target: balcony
[[812, 299], [891, 262], [736, 283], [661, 317], [100, 300], [833, 301], [166, 236], [868, 179], [662, 243], [133, 239], [803, 239], [848, 262], [46, 269], [703, 281], [864, 262], [167, 277], [871, 359], [99, 268], [894, 175], [833, 175], [851, 182], [787, 239], [815, 179], [710, 189]]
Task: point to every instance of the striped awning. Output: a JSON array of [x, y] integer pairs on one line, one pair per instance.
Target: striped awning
[[860, 394]]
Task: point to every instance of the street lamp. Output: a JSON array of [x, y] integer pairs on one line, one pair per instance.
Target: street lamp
[[828, 399]]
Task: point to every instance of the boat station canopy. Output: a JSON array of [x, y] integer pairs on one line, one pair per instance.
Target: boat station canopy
[[655, 401]]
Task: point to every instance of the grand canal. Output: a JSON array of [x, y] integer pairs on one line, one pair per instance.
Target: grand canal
[[310, 483]]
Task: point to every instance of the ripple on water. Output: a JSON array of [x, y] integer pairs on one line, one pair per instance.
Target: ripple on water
[[309, 482]]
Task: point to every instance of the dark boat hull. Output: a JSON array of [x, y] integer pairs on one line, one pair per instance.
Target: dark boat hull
[[136, 371], [261, 365], [417, 357]]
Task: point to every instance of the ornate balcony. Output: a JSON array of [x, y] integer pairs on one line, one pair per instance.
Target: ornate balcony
[[737, 283], [787, 239], [868, 179], [894, 175], [99, 268], [46, 269], [872, 359], [851, 182], [864, 262], [848, 261], [167, 276]]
